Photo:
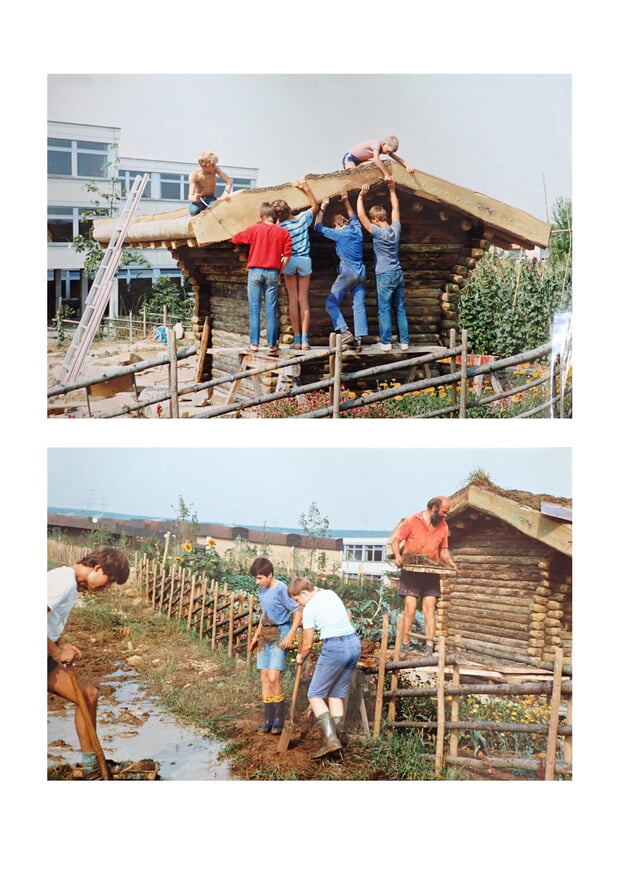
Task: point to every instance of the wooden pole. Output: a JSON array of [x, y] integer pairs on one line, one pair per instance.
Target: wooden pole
[[190, 611], [174, 374], [454, 708], [231, 619], [381, 676], [441, 704], [171, 595], [214, 611], [337, 376], [463, 401], [166, 546], [554, 719], [332, 367], [394, 674], [203, 592], [204, 345], [181, 596], [453, 370], [250, 626], [144, 321]]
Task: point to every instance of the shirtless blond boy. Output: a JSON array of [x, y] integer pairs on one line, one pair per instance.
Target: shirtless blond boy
[[202, 183]]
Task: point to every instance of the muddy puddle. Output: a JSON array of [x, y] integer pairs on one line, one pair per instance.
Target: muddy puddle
[[132, 727]]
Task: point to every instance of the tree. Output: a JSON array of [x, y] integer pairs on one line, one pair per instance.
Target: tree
[[171, 294], [186, 523], [106, 203], [315, 527]]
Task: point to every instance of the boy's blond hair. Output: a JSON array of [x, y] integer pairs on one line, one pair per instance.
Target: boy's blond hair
[[391, 143], [379, 213], [208, 158], [298, 585], [266, 211]]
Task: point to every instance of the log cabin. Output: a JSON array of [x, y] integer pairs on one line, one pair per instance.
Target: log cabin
[[512, 592], [446, 229]]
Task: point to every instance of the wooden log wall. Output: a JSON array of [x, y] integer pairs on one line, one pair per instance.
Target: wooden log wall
[[224, 618], [438, 250], [510, 592]]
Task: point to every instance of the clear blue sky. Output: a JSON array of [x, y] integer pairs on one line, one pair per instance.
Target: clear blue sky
[[506, 135], [365, 488]]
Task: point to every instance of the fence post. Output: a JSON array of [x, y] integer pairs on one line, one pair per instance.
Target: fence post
[[441, 704], [130, 327], [144, 321], [454, 708], [214, 616], [394, 675], [250, 626], [554, 718], [452, 371], [231, 617], [381, 676], [165, 315], [190, 611], [337, 375], [463, 406], [173, 375]]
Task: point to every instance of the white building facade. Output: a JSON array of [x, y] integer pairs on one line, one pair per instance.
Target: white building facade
[[365, 557], [83, 167]]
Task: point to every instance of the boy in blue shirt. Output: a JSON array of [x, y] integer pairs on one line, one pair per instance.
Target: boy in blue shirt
[[349, 239], [388, 272], [275, 634]]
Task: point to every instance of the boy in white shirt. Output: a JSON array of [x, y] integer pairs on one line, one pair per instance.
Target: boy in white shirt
[[323, 610]]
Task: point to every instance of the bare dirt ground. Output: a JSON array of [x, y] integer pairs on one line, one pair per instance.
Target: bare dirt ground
[[234, 712], [104, 355]]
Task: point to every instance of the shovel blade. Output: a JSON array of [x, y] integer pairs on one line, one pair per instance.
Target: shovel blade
[[285, 736]]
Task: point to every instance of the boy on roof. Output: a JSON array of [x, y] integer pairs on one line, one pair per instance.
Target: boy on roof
[[92, 574], [202, 183], [372, 150]]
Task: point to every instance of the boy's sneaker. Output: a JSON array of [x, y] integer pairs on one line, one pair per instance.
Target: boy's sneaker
[[357, 345], [347, 337], [404, 347], [305, 346], [385, 348], [428, 650], [406, 648]]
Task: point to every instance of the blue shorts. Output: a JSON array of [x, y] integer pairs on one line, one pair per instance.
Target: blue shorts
[[349, 157], [272, 657], [337, 661], [301, 265]]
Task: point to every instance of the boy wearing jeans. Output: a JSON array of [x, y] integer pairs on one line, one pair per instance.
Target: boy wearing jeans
[[270, 251], [348, 237], [388, 272]]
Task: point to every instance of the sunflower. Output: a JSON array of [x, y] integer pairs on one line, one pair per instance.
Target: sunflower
[[187, 546]]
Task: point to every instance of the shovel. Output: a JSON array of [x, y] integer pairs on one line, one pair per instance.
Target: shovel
[[90, 728], [289, 724]]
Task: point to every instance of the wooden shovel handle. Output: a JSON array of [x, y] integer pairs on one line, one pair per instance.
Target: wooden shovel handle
[[295, 691], [90, 728]]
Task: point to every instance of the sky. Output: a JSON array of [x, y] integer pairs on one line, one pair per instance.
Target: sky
[[505, 135], [355, 488]]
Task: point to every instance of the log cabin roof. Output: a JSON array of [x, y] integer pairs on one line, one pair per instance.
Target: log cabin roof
[[504, 225], [521, 510]]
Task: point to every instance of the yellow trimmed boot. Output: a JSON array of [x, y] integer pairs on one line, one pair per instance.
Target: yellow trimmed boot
[[331, 743], [269, 714]]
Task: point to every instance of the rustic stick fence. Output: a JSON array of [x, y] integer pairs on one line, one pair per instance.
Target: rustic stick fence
[[226, 619], [559, 688], [458, 376]]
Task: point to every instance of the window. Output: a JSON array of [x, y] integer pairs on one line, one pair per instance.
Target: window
[[174, 187], [372, 553], [77, 158], [64, 223], [128, 178]]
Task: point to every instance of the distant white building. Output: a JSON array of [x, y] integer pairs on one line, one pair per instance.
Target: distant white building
[[81, 155], [365, 557]]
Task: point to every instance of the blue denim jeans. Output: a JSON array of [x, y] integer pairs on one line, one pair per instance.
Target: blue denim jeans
[[350, 280], [333, 671], [263, 280], [391, 295]]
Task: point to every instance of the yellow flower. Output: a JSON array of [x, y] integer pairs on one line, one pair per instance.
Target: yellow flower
[[187, 546], [211, 541]]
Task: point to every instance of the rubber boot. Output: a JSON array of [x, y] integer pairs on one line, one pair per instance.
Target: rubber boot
[[331, 743], [269, 714], [339, 725], [278, 717]]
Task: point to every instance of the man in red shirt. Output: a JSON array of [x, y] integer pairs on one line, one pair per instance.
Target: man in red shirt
[[425, 533], [270, 251]]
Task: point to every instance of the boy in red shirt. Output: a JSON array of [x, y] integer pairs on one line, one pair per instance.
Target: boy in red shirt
[[270, 251], [425, 533]]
